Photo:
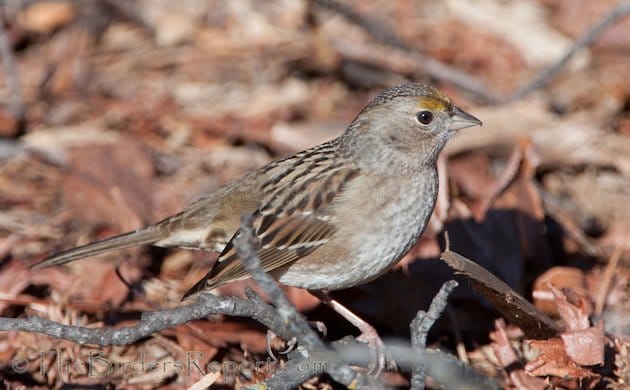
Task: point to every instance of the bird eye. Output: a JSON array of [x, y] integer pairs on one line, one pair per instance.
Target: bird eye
[[425, 117]]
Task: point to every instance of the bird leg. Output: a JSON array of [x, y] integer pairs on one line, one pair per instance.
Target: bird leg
[[368, 333]]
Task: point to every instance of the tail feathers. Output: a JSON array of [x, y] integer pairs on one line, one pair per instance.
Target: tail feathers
[[139, 237], [197, 288]]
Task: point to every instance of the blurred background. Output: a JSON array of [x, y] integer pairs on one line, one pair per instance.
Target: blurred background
[[115, 114]]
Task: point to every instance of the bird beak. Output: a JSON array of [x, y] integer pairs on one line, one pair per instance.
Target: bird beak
[[460, 119]]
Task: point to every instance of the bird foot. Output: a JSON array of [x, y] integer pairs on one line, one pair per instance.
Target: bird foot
[[378, 354], [379, 358], [289, 346]]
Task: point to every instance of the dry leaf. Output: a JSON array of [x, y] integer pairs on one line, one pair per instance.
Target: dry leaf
[[585, 347], [572, 308], [561, 277], [553, 360]]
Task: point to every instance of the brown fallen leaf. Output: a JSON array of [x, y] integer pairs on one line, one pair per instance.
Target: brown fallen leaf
[[572, 308], [510, 360], [580, 345], [520, 168], [190, 338], [472, 174], [585, 347], [109, 289], [553, 360], [501, 344], [622, 364], [561, 277], [57, 278]]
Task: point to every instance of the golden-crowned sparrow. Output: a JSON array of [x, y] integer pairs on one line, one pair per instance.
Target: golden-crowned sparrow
[[330, 217]]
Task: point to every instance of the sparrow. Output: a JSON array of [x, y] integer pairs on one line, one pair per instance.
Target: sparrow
[[331, 217]]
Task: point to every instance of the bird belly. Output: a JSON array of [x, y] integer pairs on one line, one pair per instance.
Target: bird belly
[[364, 248]]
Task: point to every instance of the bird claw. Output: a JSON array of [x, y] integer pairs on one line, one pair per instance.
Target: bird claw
[[380, 360], [290, 345], [269, 338]]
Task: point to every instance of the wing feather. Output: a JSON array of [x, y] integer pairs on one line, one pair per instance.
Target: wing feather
[[289, 224]]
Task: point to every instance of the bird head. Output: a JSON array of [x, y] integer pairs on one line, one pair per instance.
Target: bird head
[[407, 125]]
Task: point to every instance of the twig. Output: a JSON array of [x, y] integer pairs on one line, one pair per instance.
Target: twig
[[432, 67], [151, 322], [449, 372], [568, 216], [8, 64], [420, 327], [604, 286], [284, 321], [206, 381], [299, 369], [508, 176], [585, 40], [444, 368], [452, 373], [246, 247], [349, 352]]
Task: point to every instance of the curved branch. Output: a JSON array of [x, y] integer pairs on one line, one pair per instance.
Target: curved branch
[[151, 322]]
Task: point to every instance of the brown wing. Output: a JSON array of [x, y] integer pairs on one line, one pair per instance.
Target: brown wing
[[289, 224]]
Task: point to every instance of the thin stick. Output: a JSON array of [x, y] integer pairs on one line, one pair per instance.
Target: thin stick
[[432, 67], [420, 327], [151, 322], [609, 273], [585, 40]]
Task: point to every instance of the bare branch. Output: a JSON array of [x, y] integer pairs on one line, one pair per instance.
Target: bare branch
[[420, 327], [444, 368], [151, 322], [432, 67], [584, 41], [452, 373]]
